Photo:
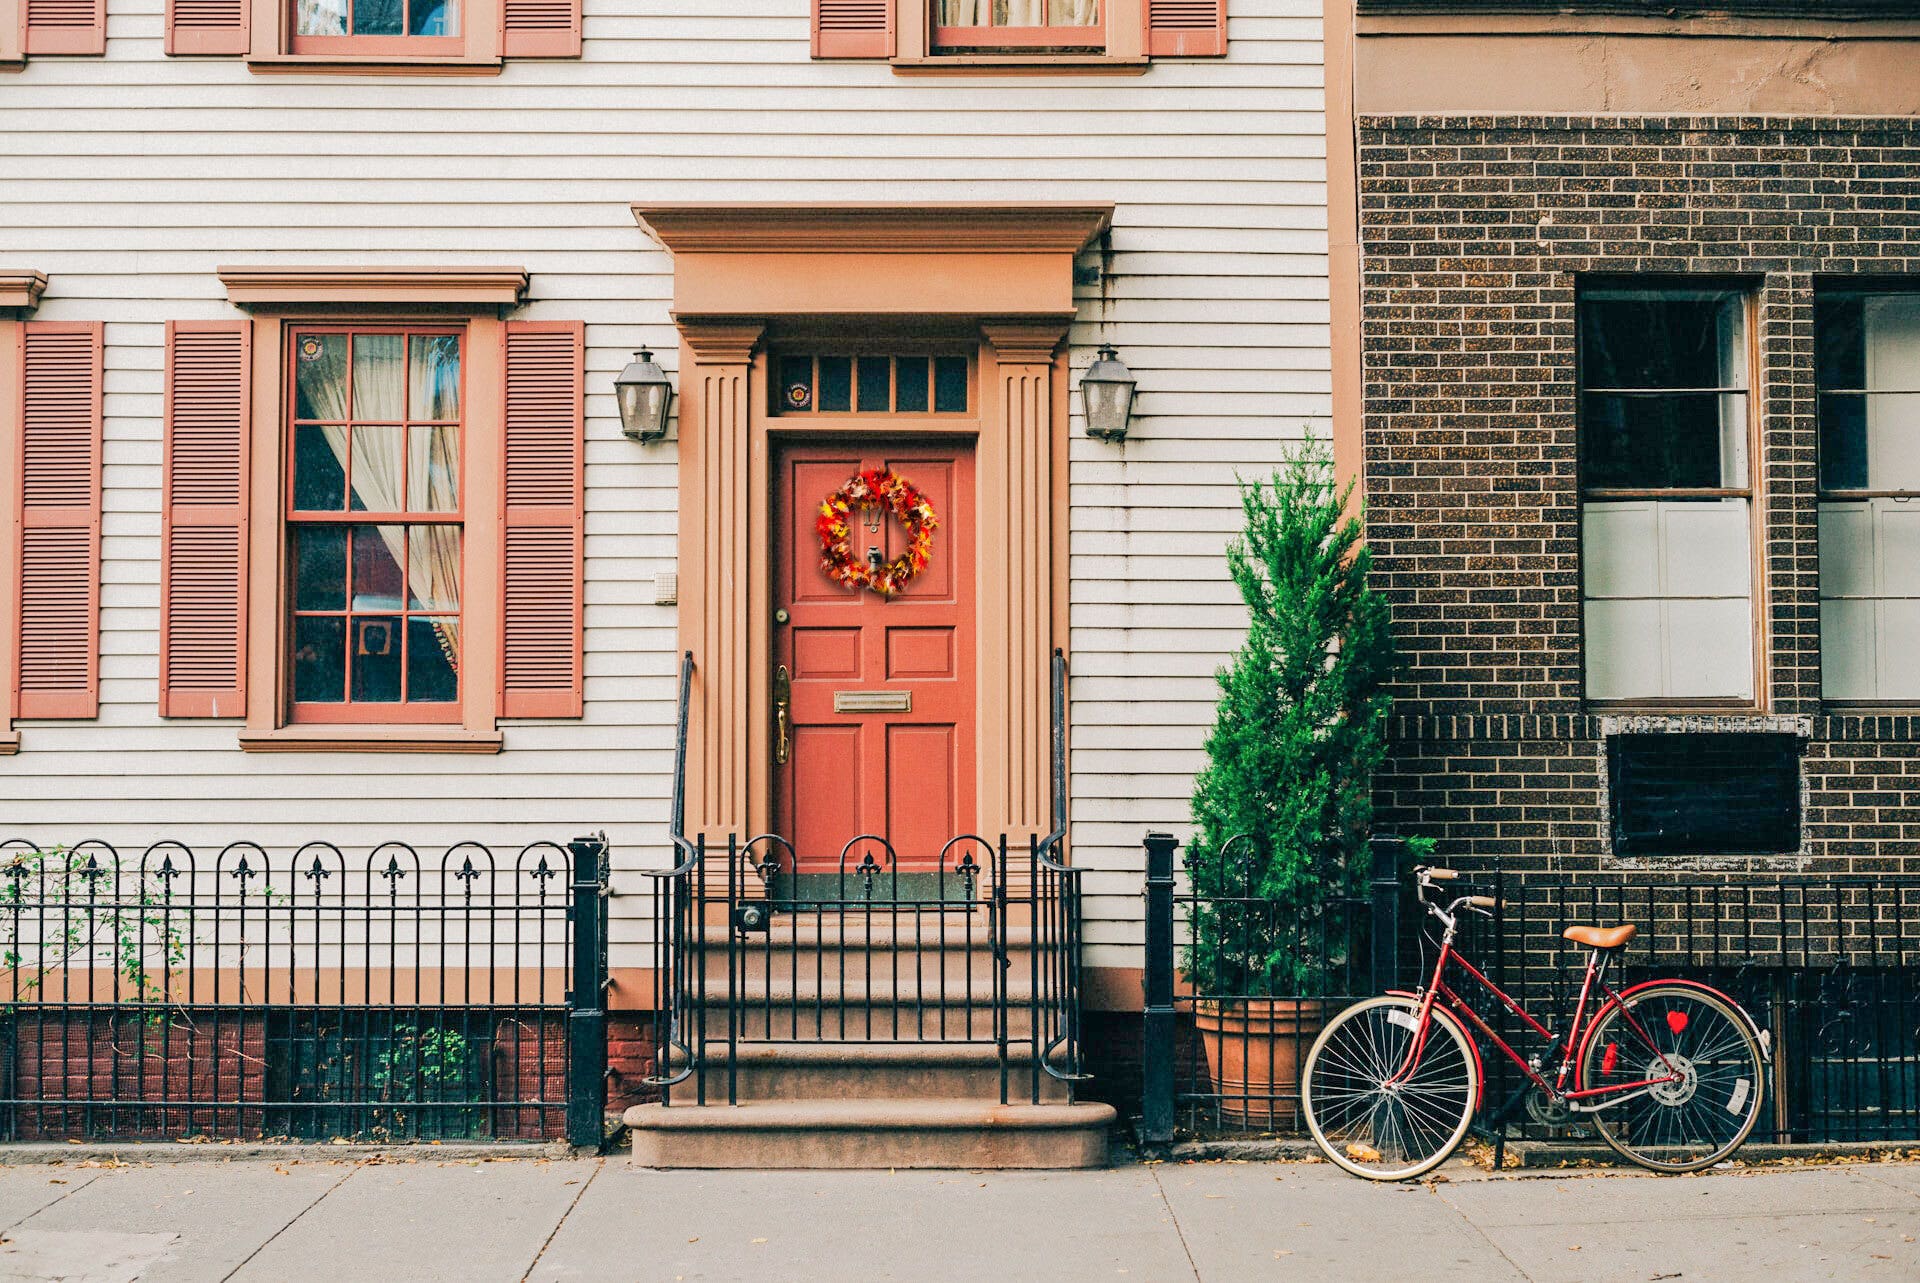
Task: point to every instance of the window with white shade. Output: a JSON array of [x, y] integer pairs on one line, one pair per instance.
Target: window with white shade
[[1667, 498], [1867, 348]]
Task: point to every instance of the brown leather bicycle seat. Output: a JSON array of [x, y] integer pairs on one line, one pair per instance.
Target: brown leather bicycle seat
[[1601, 937]]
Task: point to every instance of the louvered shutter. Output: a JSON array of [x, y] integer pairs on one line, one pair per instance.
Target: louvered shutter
[[203, 520], [1186, 28], [541, 29], [58, 650], [66, 26], [208, 26], [853, 28], [545, 506]]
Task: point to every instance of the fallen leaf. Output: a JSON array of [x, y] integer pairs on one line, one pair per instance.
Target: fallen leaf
[[1361, 1152], [759, 1240], [55, 1180]]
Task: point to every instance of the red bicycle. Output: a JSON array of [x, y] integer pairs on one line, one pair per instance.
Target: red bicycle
[[1667, 1071]]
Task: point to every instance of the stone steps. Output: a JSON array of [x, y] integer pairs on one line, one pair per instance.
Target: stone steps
[[863, 1133]]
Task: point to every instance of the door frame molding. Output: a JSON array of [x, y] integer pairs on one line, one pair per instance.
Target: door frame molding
[[746, 272]]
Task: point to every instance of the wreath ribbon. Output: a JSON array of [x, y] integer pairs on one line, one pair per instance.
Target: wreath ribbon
[[884, 489]]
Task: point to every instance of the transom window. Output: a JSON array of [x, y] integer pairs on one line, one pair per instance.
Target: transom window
[[374, 524], [336, 26], [1667, 498], [1867, 358], [829, 383], [994, 25]]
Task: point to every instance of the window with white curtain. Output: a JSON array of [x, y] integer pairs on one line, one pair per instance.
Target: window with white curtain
[[1666, 494], [374, 524], [1867, 347], [1025, 24]]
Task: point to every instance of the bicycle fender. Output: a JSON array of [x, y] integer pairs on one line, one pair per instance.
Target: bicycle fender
[[1473, 1043], [1760, 1036]]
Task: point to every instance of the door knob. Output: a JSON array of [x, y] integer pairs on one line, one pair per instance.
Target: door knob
[[782, 715]]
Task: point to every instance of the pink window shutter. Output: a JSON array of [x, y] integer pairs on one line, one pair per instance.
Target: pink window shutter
[[203, 520], [542, 628], [1186, 28], [208, 26], [66, 26], [541, 29], [854, 28], [59, 621]]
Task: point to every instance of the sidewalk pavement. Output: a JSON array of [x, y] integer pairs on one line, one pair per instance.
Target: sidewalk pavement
[[420, 1219]]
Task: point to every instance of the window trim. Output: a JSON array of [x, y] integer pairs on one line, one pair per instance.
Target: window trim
[[404, 712], [1755, 491], [1123, 24], [476, 51], [1824, 494], [270, 725]]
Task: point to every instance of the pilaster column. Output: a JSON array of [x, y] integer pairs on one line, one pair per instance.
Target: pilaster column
[[716, 367], [1023, 417]]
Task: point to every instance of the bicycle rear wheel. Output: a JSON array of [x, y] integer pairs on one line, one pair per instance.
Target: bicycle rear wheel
[[1701, 1117], [1364, 1114]]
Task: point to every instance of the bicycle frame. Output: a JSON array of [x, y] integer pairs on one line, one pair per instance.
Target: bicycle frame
[[1438, 990]]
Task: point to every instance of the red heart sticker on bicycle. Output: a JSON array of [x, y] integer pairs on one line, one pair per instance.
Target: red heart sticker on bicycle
[[1677, 1021]]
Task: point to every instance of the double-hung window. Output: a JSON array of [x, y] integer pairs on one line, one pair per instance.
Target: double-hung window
[[374, 524], [1666, 495], [995, 26], [1867, 346], [419, 27]]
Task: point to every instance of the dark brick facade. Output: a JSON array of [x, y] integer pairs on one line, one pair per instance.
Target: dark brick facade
[[1474, 232]]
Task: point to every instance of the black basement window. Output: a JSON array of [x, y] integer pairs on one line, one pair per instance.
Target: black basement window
[[1704, 794]]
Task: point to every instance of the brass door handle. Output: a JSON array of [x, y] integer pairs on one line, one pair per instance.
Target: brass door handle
[[782, 715]]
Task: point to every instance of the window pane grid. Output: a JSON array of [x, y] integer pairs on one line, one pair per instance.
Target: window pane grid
[[376, 18], [375, 523], [834, 383]]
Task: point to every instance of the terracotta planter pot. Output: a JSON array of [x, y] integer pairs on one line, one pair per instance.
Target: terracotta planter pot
[[1254, 1048]]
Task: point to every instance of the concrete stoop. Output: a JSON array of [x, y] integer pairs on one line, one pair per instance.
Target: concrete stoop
[[895, 1133]]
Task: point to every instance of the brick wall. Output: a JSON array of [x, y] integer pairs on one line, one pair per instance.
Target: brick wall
[[1474, 232], [82, 1075]]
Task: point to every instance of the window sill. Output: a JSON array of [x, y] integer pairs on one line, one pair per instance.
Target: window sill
[[1020, 64], [9, 744], [370, 65], [371, 739]]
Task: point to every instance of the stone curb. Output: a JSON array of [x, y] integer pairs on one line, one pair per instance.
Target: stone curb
[[21, 1155]]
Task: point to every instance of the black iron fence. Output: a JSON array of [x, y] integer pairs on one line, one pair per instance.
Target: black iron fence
[[1828, 966], [976, 943], [309, 995]]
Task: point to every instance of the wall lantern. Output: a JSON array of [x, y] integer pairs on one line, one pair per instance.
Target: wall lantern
[[645, 395], [1106, 393]]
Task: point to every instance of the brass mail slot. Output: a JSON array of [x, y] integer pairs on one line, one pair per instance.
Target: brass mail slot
[[873, 701]]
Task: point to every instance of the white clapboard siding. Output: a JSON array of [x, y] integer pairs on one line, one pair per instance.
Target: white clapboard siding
[[129, 178]]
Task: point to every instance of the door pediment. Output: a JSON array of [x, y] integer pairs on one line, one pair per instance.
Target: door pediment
[[733, 260]]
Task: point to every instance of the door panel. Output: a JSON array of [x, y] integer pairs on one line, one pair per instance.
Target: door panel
[[906, 774]]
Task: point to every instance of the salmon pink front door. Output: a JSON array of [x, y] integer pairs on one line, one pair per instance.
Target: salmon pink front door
[[878, 692]]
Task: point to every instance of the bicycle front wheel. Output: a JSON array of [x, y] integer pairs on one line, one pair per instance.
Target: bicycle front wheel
[[1696, 1041], [1368, 1116]]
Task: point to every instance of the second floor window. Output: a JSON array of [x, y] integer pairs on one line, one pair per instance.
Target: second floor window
[[322, 26], [1000, 25], [1666, 495], [374, 525]]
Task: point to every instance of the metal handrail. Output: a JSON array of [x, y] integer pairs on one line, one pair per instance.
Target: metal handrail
[[678, 817], [669, 965], [1058, 762]]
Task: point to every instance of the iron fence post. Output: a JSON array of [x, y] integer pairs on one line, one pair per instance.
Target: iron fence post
[[586, 998], [1156, 1058], [1385, 959]]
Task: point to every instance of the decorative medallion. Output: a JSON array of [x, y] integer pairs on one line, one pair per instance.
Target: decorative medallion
[[884, 490], [309, 348]]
